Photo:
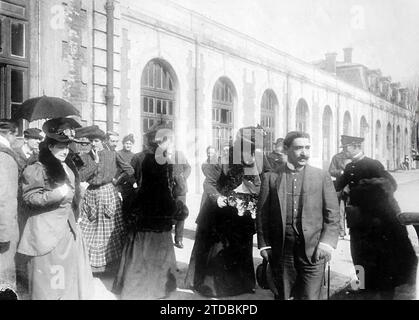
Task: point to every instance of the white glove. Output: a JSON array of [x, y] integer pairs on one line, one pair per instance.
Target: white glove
[[222, 202]]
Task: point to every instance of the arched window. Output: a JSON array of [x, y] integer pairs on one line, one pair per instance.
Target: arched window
[[406, 142], [389, 143], [327, 136], [347, 124], [158, 93], [223, 96], [364, 133], [378, 145], [398, 147], [364, 127], [301, 116], [267, 117]]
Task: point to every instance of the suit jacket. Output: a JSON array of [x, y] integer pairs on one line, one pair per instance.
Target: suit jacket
[[320, 212]]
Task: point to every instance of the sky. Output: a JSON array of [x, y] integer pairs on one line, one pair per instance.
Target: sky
[[384, 34]]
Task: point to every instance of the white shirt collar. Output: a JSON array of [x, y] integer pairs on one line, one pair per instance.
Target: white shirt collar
[[28, 152], [358, 157], [4, 141]]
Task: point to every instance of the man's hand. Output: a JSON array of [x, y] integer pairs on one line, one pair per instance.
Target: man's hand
[[222, 201], [266, 254], [4, 246], [323, 251], [95, 155]]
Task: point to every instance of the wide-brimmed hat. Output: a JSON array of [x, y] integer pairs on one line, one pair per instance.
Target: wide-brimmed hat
[[90, 132], [350, 140], [61, 129], [33, 133]]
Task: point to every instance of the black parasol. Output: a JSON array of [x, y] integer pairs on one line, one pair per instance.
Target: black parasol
[[45, 108]]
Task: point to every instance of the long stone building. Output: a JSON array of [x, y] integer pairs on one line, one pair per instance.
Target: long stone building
[[203, 78]]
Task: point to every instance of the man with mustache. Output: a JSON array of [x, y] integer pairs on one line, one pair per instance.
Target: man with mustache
[[297, 222]]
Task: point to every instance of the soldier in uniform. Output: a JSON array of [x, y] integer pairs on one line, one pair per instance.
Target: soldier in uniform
[[277, 157], [380, 246], [336, 169]]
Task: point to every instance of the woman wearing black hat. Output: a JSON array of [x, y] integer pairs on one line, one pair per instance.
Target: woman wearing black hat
[[59, 266], [148, 264], [101, 218], [221, 262]]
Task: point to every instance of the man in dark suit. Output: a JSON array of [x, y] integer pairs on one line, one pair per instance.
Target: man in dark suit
[[28, 152], [297, 222]]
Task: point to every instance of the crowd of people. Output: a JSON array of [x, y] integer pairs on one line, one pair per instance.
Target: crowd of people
[[71, 206]]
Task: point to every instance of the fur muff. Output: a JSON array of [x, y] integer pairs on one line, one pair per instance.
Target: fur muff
[[56, 174], [388, 254]]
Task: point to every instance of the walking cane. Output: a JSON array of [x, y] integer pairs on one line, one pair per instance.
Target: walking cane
[[328, 280], [327, 266]]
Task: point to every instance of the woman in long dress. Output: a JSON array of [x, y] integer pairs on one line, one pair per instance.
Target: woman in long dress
[[148, 264], [221, 262], [101, 219], [58, 265]]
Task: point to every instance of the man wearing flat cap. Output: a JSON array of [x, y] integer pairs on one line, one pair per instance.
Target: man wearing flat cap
[[9, 230], [336, 168], [28, 152]]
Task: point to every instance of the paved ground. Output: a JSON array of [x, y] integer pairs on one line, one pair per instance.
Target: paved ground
[[342, 270]]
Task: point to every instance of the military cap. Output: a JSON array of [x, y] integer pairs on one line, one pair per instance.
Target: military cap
[[350, 140], [33, 133]]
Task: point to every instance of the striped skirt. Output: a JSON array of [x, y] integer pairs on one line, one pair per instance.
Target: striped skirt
[[102, 225]]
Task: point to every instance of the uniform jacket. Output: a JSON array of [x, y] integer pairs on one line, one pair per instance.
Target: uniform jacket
[[9, 173], [48, 212], [320, 212], [365, 168]]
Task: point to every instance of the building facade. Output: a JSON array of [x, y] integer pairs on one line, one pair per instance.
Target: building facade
[[174, 65]]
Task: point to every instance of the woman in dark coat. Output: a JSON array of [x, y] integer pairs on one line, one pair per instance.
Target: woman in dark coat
[[58, 263], [221, 262], [148, 264], [383, 247]]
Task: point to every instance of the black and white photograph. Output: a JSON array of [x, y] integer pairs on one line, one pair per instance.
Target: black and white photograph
[[209, 154]]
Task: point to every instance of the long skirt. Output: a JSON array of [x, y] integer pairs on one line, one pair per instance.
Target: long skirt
[[148, 266], [221, 261], [64, 273], [102, 225]]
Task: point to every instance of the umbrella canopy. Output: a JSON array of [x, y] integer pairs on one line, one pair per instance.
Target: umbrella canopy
[[45, 108]]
